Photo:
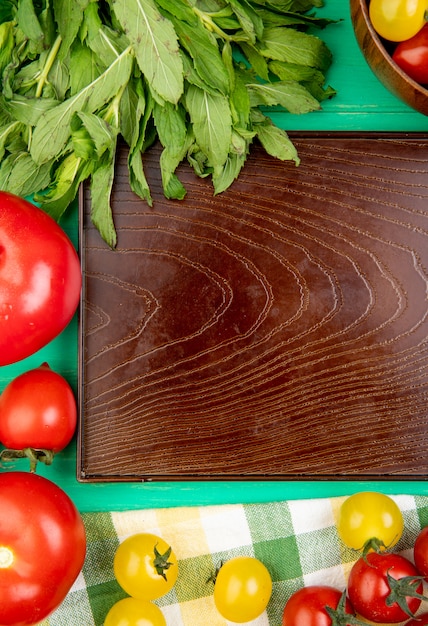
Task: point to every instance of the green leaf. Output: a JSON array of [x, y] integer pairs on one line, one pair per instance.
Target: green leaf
[[240, 102], [276, 142], [249, 19], [203, 48], [226, 176], [290, 5], [101, 187], [292, 46], [131, 107], [70, 173], [84, 67], [29, 22], [106, 43], [256, 60], [7, 10], [192, 77], [23, 176], [181, 10], [170, 124], [293, 71], [53, 130], [7, 44], [68, 16], [7, 132], [29, 110], [142, 138], [155, 46], [290, 95], [91, 135], [212, 123]]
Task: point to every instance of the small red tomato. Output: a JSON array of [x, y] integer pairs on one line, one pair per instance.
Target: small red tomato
[[37, 412], [384, 588], [420, 552], [309, 606], [412, 56], [40, 279]]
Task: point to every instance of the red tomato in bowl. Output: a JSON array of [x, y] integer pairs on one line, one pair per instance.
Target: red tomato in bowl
[[40, 279], [37, 412], [42, 547], [412, 56]]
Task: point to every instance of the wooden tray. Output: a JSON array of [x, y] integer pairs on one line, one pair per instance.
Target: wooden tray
[[276, 331]]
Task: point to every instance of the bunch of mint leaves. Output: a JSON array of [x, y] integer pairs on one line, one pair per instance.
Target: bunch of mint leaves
[[196, 75]]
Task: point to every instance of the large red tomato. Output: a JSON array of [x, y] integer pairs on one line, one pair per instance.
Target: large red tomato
[[38, 414], [40, 279], [42, 547]]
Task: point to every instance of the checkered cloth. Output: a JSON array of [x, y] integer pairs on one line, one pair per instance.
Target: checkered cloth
[[296, 539]]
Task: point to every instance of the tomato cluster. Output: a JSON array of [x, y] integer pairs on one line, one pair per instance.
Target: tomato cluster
[[146, 568], [403, 23], [383, 587], [42, 535]]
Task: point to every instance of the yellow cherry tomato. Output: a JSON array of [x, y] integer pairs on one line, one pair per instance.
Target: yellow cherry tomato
[[370, 520], [398, 20], [145, 566], [242, 589], [133, 612]]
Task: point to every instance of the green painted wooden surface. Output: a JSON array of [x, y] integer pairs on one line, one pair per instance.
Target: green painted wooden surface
[[361, 104]]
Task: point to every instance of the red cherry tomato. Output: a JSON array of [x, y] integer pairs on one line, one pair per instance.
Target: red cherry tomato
[[371, 585], [40, 279], [412, 56], [420, 552], [307, 606], [42, 547], [37, 413]]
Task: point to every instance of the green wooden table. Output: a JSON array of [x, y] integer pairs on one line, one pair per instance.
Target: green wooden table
[[361, 104]]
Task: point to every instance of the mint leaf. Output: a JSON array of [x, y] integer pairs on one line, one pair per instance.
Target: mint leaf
[[53, 130], [212, 123], [101, 212], [293, 46], [155, 46], [288, 94], [68, 16], [276, 142]]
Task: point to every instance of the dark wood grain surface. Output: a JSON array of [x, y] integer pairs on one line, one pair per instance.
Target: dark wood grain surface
[[275, 331]]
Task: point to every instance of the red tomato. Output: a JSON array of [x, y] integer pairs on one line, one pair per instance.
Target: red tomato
[[42, 547], [420, 552], [412, 56], [307, 606], [376, 596], [37, 411], [40, 279]]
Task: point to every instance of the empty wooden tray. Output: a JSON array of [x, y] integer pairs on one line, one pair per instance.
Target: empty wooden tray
[[275, 331]]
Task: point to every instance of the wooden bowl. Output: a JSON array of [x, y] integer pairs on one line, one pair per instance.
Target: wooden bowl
[[378, 57]]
